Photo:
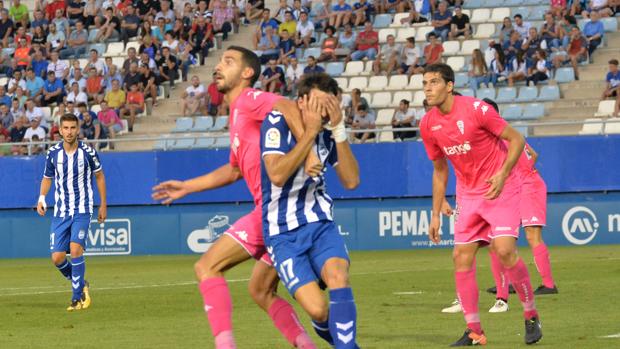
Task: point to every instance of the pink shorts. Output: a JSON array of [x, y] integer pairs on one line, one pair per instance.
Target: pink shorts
[[248, 232], [533, 201], [478, 219]]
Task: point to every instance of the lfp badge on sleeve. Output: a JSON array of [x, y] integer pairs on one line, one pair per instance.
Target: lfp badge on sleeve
[[110, 238]]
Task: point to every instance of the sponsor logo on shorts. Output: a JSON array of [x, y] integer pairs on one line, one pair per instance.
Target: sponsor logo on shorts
[[200, 240], [113, 237], [459, 149], [579, 225], [81, 234]]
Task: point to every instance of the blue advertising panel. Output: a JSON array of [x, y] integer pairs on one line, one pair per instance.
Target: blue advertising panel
[[370, 224]]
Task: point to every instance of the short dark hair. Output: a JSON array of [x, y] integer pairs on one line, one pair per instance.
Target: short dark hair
[[518, 15], [446, 72], [613, 62], [68, 117], [405, 101], [321, 81], [492, 103], [250, 60], [82, 104]]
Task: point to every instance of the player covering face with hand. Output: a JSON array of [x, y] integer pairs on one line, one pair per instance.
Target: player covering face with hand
[[301, 237]]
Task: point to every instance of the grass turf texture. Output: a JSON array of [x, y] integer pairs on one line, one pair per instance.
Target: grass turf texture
[[152, 302]]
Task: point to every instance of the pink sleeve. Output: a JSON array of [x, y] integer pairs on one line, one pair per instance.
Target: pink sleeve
[[260, 104], [233, 159], [432, 149], [488, 118]]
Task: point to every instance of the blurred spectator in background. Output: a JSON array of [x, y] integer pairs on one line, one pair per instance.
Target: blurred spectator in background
[[341, 14], [268, 47], [558, 8], [272, 78], [532, 44], [94, 86], [283, 8], [223, 18], [6, 27], [388, 57], [512, 46], [54, 90], [433, 51], [39, 63], [594, 32], [289, 24], [34, 86], [329, 45], [550, 32], [441, 21], [20, 14], [565, 28], [518, 69], [312, 67], [364, 119], [215, 100], [76, 95], [21, 57], [459, 25], [129, 24], [294, 72], [539, 72], [110, 27], [404, 117], [134, 106], [612, 89], [599, 7], [577, 52], [56, 39], [193, 97], [116, 97], [367, 43], [363, 10], [287, 48], [266, 21], [506, 30], [521, 26], [410, 59], [168, 67], [59, 67], [346, 41], [77, 43], [90, 128], [4, 98], [497, 67], [478, 71], [201, 38], [356, 101], [6, 118], [109, 121], [35, 129], [305, 31]]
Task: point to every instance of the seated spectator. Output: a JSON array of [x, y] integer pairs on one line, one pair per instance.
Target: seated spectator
[[268, 47], [414, 17], [410, 58], [282, 9], [157, 33], [168, 67], [33, 112], [71, 109], [363, 119], [79, 79], [329, 45], [5, 149], [266, 21], [312, 67], [441, 21], [35, 129], [215, 100], [132, 77], [17, 109], [393, 6], [133, 106], [185, 55], [367, 43], [110, 28], [532, 44], [129, 25], [131, 58], [305, 31], [353, 105], [6, 64], [404, 117], [594, 32], [193, 97], [77, 43], [599, 7], [34, 86], [109, 121], [4, 98], [171, 42], [95, 62], [540, 71], [21, 57], [149, 82], [116, 97], [346, 41], [558, 8], [201, 36], [289, 24], [489, 52], [362, 11], [59, 67], [550, 33], [148, 47], [565, 28], [54, 90], [20, 14], [521, 26], [459, 25], [82, 109], [298, 9], [512, 46], [577, 52], [433, 51], [76, 95], [612, 88], [287, 48], [6, 27], [75, 10], [323, 12], [6, 118], [166, 12], [388, 57], [61, 22], [497, 68], [90, 128], [341, 14], [272, 79], [39, 64], [17, 135], [111, 75], [506, 31], [94, 86], [294, 72], [55, 40], [478, 71], [223, 18]]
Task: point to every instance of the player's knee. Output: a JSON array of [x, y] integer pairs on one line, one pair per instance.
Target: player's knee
[[462, 259], [58, 258], [337, 278], [506, 254]]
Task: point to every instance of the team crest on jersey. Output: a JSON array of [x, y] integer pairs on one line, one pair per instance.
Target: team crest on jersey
[[235, 143], [272, 138], [234, 117], [461, 125]]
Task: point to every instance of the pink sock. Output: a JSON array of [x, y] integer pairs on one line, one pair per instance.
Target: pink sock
[[520, 279], [225, 340], [284, 318], [467, 292], [499, 275], [218, 306], [541, 258]]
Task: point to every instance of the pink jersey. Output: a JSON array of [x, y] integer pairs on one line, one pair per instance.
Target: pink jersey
[[247, 112], [526, 163], [469, 137]]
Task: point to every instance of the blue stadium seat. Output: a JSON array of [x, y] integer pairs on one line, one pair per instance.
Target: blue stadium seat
[[610, 24], [335, 68], [485, 93], [311, 51], [472, 4], [534, 111], [512, 112], [549, 93], [92, 34], [203, 124], [185, 143], [538, 13], [512, 3], [527, 94], [531, 2], [492, 3], [220, 123], [506, 95], [382, 21], [523, 11], [183, 124], [164, 144], [204, 142], [460, 80], [222, 142], [99, 47], [467, 92], [565, 74]]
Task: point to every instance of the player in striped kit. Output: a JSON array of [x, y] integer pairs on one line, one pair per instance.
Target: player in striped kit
[[303, 241], [72, 165]]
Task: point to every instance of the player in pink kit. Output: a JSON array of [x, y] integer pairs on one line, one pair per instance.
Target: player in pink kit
[[237, 70], [469, 133]]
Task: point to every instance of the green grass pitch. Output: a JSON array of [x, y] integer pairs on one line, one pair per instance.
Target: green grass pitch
[[153, 302]]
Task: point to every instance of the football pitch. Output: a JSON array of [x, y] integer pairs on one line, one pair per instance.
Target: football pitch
[[153, 302]]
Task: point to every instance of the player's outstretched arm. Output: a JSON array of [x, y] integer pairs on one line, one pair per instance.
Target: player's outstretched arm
[[103, 204], [169, 191], [440, 182], [46, 184], [281, 167], [516, 142]]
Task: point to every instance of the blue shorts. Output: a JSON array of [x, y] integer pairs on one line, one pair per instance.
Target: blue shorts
[[69, 229], [299, 255]]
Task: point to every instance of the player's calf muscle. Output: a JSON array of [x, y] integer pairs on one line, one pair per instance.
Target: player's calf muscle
[[313, 301]]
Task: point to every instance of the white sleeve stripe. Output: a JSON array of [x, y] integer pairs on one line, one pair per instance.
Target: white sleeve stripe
[[273, 152]]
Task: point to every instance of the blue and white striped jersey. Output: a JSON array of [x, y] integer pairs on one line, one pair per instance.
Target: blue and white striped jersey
[[73, 178], [302, 199]]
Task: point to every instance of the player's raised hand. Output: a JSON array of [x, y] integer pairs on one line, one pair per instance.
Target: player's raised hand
[[169, 191], [497, 184], [433, 230], [333, 110], [311, 112], [446, 209]]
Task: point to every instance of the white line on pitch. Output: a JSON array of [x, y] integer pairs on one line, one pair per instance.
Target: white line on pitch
[[617, 335], [407, 293]]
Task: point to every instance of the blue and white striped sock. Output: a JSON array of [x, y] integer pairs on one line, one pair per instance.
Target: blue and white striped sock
[[342, 318], [78, 268], [65, 269]]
